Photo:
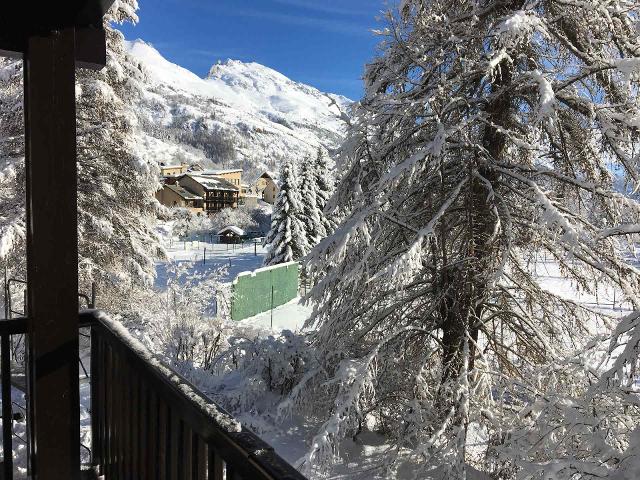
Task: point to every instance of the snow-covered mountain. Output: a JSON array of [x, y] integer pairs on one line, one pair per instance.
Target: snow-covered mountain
[[242, 115]]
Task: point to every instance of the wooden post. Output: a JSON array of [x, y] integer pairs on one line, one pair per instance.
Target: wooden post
[[52, 261]]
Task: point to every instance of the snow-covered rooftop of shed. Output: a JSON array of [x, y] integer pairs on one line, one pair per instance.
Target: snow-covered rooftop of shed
[[232, 228]]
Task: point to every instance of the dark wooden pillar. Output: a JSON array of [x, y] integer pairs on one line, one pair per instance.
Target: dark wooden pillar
[[52, 263]]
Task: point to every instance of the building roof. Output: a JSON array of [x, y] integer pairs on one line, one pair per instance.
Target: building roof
[[183, 192], [268, 174], [211, 182], [232, 229], [221, 172], [162, 165]]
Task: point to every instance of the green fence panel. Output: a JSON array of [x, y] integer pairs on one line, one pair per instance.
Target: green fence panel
[[252, 291]]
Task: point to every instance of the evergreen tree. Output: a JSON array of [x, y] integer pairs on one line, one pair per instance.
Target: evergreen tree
[[324, 189], [116, 205], [12, 175], [312, 215], [287, 239], [484, 139]]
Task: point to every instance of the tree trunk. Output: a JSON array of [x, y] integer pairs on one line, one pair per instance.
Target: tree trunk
[[462, 309]]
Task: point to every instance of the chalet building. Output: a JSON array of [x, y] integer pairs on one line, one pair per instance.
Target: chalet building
[[177, 196], [216, 192], [267, 187]]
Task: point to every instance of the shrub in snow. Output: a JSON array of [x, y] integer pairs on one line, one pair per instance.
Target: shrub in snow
[[189, 224], [262, 218], [241, 217], [484, 139], [261, 370], [186, 324]]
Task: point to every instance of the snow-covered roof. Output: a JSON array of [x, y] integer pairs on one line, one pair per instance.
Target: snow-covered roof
[[233, 229], [183, 192], [270, 175], [164, 170], [275, 178], [221, 172], [212, 183]]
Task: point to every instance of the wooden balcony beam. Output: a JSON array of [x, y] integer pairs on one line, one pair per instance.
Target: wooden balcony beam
[[52, 256]]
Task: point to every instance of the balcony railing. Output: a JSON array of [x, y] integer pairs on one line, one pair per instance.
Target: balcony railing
[[147, 422]]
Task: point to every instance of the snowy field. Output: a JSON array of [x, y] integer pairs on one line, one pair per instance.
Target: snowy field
[[205, 259], [290, 316]]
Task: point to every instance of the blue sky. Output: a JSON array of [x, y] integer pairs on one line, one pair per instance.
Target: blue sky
[[324, 43]]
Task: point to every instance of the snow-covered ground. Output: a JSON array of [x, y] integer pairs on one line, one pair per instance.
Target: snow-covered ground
[[290, 316], [206, 258]]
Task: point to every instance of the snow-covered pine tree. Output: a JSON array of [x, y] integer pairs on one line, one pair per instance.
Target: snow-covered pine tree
[[287, 240], [311, 215], [116, 205], [485, 139], [12, 179], [325, 186], [117, 208]]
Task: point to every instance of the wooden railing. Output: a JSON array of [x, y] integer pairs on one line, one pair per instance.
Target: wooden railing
[[148, 422]]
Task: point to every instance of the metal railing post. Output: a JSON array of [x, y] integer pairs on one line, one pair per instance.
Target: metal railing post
[[7, 413]]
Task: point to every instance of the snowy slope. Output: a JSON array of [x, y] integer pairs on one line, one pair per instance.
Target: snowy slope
[[242, 115]]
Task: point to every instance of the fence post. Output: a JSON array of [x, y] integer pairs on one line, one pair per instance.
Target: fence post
[[204, 256], [272, 307]]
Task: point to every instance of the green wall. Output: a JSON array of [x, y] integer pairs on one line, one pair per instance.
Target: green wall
[[252, 290]]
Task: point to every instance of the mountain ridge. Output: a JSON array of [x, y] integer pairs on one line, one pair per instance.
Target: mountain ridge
[[241, 115]]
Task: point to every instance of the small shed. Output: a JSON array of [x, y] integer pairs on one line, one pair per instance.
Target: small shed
[[231, 234]]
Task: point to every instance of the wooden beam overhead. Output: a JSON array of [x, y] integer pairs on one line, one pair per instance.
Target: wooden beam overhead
[[24, 19]]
